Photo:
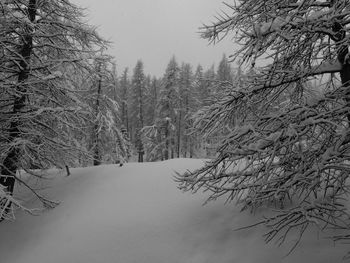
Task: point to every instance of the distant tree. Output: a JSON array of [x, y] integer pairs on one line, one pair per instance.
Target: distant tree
[[39, 41], [167, 105], [149, 101], [224, 71], [138, 102], [106, 144], [97, 91], [153, 99], [154, 142], [151, 132], [124, 87], [187, 105], [208, 88], [200, 86], [201, 93], [286, 144]]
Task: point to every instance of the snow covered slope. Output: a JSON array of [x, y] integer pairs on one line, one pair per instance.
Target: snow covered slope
[[136, 214]]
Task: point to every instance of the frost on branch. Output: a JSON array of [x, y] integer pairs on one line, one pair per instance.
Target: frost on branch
[[290, 145]]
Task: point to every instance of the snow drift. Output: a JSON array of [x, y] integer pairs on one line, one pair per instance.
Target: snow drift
[[136, 214]]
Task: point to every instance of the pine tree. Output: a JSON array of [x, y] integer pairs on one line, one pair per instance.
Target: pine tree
[[286, 151]]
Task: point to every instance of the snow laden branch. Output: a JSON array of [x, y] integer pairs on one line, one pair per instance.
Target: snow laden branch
[[294, 159], [270, 29], [284, 120]]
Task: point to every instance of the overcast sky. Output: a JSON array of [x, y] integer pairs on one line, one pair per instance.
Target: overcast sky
[[155, 30]]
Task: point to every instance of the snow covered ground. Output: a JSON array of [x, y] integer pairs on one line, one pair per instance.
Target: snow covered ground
[[136, 214]]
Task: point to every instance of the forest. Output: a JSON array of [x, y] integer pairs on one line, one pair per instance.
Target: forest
[[63, 103], [272, 118], [158, 113]]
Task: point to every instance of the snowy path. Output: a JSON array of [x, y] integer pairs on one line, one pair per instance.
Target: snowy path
[[135, 214]]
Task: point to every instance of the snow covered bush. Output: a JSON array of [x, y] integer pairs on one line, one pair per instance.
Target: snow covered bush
[[289, 147]]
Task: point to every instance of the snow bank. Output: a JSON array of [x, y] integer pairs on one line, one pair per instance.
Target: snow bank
[[136, 214]]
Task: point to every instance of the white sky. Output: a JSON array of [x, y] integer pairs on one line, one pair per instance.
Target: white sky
[[155, 30]]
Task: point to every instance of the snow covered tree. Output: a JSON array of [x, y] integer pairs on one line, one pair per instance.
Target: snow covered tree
[[290, 145], [39, 42], [224, 71], [138, 102], [167, 105], [187, 106], [208, 86], [124, 90], [152, 100], [150, 132], [106, 142], [200, 93], [200, 86]]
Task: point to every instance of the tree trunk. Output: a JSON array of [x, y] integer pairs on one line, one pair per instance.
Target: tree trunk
[[97, 154], [67, 170], [179, 135], [167, 143], [140, 149], [345, 74], [186, 139], [343, 52], [10, 164], [172, 147]]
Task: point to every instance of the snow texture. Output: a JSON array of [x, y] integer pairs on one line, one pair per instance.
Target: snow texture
[[135, 213]]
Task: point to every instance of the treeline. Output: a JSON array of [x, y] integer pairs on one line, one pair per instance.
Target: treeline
[[158, 113]]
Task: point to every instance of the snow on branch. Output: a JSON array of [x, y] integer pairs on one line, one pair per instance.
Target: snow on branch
[[326, 67], [278, 23]]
